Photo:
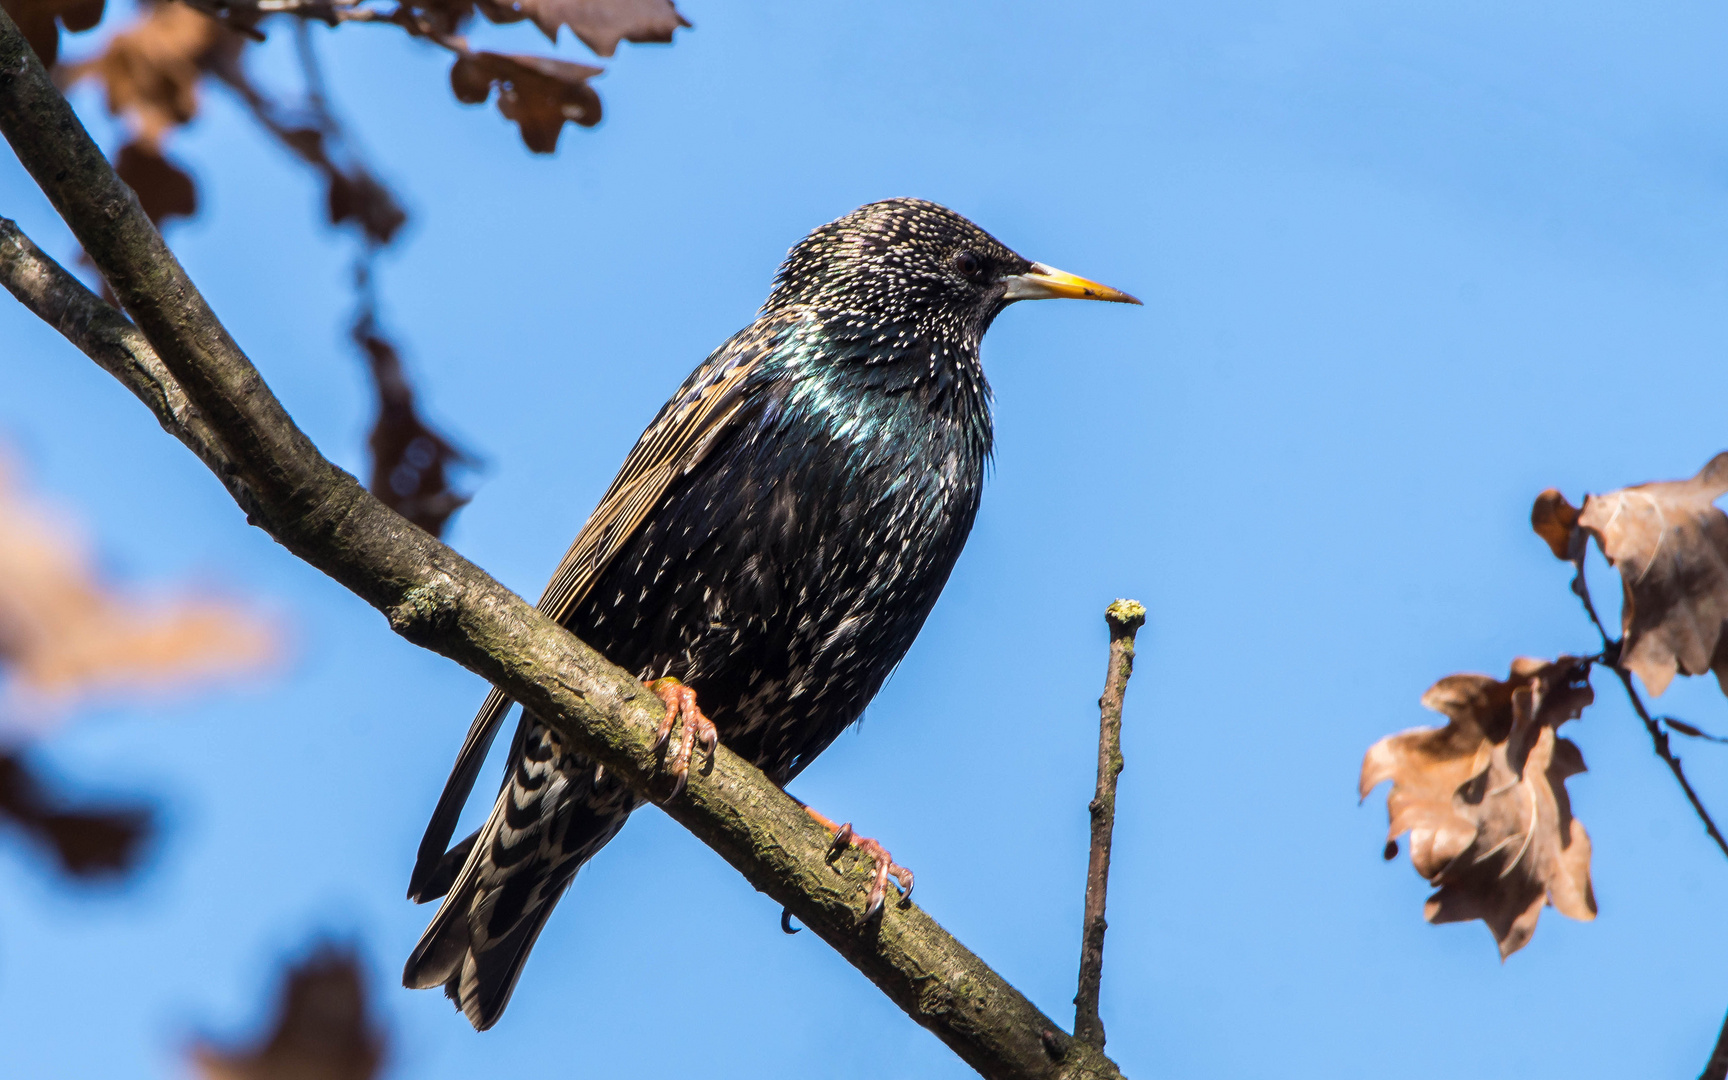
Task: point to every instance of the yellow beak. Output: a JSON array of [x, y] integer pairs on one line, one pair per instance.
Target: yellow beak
[[1048, 283]]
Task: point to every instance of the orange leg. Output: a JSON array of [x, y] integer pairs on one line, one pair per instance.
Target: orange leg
[[681, 705], [885, 864]]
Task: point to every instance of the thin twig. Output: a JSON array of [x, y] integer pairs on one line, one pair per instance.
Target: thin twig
[[243, 17], [1658, 737], [1125, 618]]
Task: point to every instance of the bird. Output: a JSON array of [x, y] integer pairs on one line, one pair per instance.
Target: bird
[[763, 560]]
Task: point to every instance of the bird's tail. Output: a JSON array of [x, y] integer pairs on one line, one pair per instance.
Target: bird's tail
[[553, 814]]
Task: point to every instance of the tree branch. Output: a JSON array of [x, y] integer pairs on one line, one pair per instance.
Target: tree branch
[[1717, 1067], [206, 392], [1125, 618]]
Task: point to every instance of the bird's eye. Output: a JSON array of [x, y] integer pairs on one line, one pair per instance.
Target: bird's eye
[[968, 264]]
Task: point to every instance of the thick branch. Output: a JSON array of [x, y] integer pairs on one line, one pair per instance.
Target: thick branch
[[1125, 618], [205, 390], [1717, 1067]]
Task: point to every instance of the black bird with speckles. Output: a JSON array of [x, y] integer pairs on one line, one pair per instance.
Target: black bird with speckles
[[773, 543]]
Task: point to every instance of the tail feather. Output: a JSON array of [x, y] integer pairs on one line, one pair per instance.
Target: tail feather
[[553, 814], [429, 879]]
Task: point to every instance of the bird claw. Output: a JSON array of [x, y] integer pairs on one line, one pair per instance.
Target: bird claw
[[698, 729], [886, 867]]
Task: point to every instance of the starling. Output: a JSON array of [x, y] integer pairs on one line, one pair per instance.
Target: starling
[[770, 548]]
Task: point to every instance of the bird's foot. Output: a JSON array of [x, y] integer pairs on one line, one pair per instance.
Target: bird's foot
[[886, 867], [681, 705]]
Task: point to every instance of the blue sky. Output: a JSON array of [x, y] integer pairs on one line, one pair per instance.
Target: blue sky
[[1404, 265]]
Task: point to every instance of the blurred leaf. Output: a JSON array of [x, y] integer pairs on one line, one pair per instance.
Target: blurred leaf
[[1670, 544], [410, 461], [601, 24], [150, 70], [357, 196], [1556, 522], [40, 22], [1484, 798], [538, 93], [323, 1029], [89, 842], [65, 634], [164, 189]]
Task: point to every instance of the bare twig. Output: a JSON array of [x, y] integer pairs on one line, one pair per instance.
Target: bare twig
[[1125, 618], [437, 599], [1691, 731], [313, 134], [1658, 737]]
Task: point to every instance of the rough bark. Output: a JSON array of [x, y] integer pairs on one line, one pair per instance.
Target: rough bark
[[180, 361]]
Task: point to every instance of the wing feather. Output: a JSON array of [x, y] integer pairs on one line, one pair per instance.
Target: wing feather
[[677, 441]]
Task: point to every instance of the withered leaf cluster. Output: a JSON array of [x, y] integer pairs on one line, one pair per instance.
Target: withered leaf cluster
[[1670, 543], [541, 93], [1484, 798], [150, 74], [65, 634], [323, 1030], [87, 841]]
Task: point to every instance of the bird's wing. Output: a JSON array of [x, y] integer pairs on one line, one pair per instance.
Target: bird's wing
[[676, 442]]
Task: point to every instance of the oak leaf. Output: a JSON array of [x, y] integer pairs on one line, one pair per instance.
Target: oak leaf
[[601, 24], [323, 1030], [1670, 544], [150, 70], [65, 634], [1484, 799], [536, 92]]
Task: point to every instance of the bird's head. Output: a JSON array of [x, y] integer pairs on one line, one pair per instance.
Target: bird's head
[[911, 266]]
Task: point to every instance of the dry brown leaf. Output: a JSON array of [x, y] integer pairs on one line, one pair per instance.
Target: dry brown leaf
[[40, 22], [1556, 522], [65, 634], [358, 196], [410, 462], [164, 189], [1670, 544], [601, 24], [536, 92], [1484, 798], [323, 1029], [150, 71], [88, 842]]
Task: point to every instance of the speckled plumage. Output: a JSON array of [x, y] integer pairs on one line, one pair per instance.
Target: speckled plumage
[[775, 541]]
